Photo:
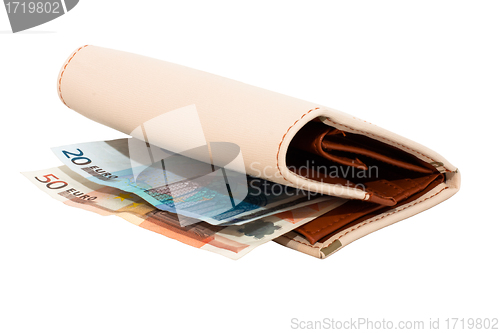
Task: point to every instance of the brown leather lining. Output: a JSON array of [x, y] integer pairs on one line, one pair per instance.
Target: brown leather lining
[[311, 139], [342, 147], [326, 154], [384, 209], [356, 211]]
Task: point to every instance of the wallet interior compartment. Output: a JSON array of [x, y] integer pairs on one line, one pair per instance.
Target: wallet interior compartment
[[323, 153], [392, 176]]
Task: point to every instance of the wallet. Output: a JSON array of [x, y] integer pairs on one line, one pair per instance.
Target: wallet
[[307, 146]]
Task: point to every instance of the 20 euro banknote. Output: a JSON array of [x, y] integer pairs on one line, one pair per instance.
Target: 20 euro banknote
[[179, 184]]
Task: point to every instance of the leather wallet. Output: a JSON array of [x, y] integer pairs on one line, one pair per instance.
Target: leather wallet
[[283, 139]]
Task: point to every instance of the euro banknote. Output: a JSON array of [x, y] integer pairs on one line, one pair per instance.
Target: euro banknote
[[234, 241], [194, 189]]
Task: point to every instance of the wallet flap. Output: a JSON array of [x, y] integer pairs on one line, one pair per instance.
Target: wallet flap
[[124, 91]]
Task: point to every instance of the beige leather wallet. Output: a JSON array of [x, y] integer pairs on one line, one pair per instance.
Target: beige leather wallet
[[286, 140]]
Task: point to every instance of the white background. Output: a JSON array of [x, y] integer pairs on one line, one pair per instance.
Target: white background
[[428, 70]]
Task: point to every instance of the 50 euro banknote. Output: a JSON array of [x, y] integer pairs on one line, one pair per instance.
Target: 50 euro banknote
[[233, 241], [194, 189]]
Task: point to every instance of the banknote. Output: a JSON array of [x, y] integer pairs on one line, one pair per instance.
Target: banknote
[[232, 241], [194, 189]]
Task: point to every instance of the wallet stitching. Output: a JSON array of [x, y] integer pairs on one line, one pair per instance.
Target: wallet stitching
[[62, 73], [399, 189], [389, 140], [340, 219], [292, 239], [385, 182], [359, 226]]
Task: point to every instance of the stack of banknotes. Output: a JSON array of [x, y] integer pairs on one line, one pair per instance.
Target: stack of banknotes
[[197, 203]]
